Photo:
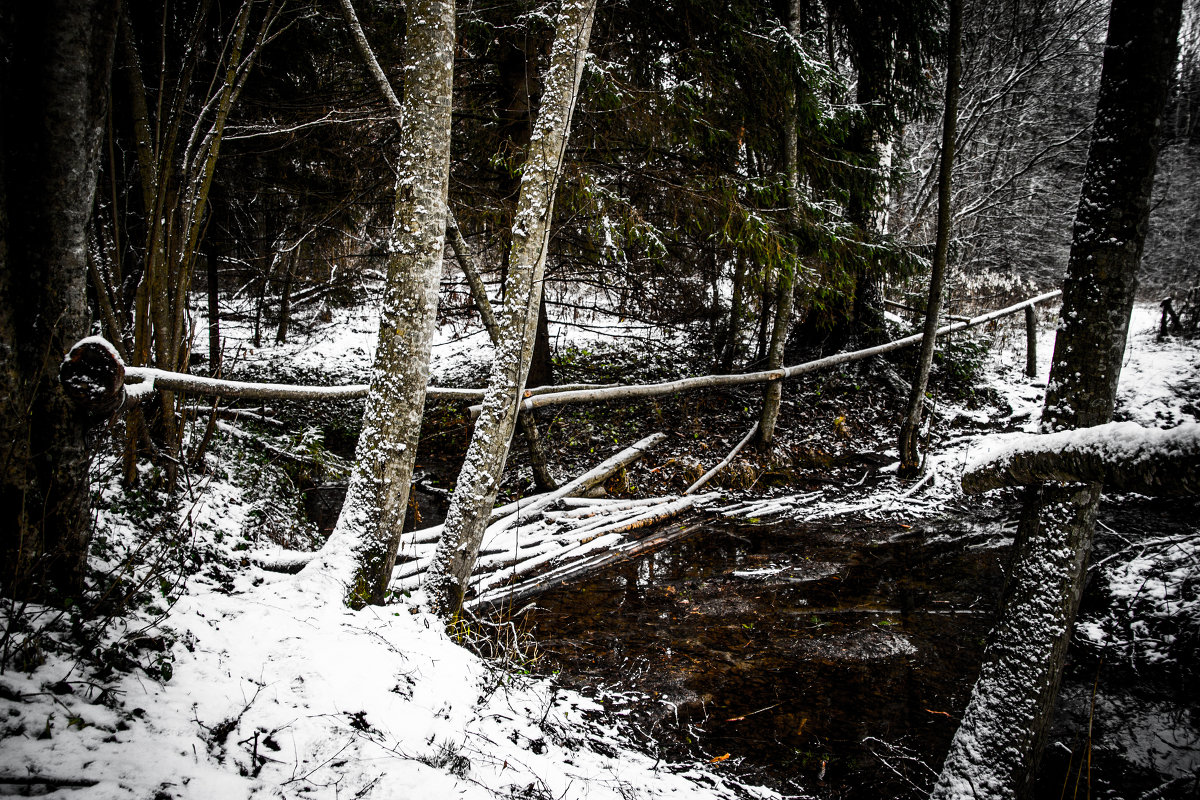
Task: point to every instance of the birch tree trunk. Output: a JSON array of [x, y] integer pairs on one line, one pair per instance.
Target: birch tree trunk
[[995, 752], [480, 477], [785, 295], [362, 548], [54, 75], [910, 459]]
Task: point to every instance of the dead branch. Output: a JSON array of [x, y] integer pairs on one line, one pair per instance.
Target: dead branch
[[708, 476], [715, 381]]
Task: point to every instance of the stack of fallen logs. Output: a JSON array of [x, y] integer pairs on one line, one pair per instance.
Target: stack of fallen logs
[[540, 541]]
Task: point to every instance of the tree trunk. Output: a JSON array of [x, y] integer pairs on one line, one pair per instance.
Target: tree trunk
[[362, 548], [910, 459], [527, 422], [997, 747], [480, 477], [285, 296], [784, 293], [214, 312], [54, 76]]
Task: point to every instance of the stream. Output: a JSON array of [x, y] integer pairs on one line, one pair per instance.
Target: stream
[[827, 660]]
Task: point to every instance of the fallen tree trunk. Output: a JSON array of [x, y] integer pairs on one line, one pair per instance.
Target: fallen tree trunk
[[96, 379], [601, 394], [569, 572], [505, 517], [129, 383], [1124, 456], [590, 479]]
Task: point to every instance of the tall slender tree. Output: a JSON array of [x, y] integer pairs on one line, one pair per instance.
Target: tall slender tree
[[785, 280], [995, 752], [480, 477], [361, 551], [910, 459]]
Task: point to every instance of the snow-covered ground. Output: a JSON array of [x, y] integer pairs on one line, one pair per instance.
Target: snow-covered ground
[[231, 681]]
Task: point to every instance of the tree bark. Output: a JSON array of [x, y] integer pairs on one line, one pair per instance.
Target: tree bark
[[362, 548], [480, 476], [1123, 456], [910, 459], [55, 62], [526, 421], [214, 312], [996, 750]]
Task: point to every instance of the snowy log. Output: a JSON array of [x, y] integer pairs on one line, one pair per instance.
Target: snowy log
[[576, 569], [764, 376], [94, 377], [1124, 456], [593, 477]]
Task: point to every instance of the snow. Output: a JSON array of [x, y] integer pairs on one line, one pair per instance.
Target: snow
[[276, 689], [250, 683]]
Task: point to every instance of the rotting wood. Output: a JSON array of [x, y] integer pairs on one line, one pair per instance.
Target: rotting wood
[[569, 572]]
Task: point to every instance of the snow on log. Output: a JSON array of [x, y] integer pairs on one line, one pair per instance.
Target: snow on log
[[593, 477], [714, 381], [1124, 456], [93, 377]]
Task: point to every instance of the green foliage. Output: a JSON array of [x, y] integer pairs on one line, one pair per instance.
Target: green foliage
[[959, 362]]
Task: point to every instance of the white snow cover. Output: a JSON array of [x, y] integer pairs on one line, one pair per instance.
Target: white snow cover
[[1117, 441], [277, 689]]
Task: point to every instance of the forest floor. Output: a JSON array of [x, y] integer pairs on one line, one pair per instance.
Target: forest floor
[[189, 671]]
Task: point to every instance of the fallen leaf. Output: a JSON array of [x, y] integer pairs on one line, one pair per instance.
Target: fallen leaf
[[718, 759]]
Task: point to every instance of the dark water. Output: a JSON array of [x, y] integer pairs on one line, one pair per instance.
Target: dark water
[[835, 660], [831, 660]]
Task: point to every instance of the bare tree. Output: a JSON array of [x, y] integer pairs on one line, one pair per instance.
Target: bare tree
[[361, 551], [479, 480], [910, 460], [995, 752], [177, 121]]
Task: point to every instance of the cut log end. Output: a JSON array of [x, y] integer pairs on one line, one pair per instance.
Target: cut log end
[[93, 378]]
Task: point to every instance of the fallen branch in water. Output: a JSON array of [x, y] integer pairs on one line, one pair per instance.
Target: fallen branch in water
[[575, 570], [708, 476]]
